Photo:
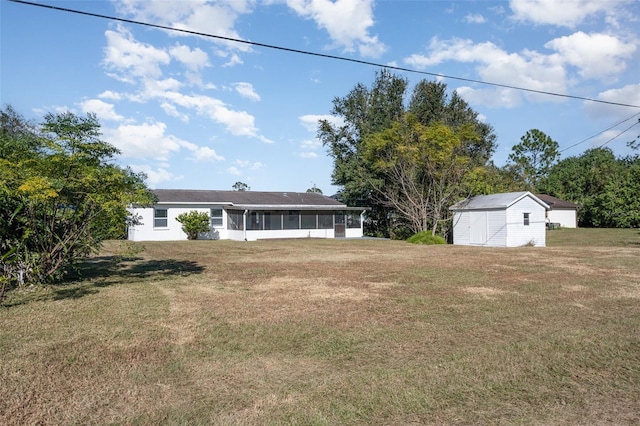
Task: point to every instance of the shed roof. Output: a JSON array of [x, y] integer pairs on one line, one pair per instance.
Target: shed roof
[[495, 201], [556, 203], [249, 199]]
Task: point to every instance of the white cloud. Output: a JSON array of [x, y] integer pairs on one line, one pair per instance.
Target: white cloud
[[130, 59], [310, 121], [527, 68], [475, 18], [206, 17], [103, 110], [234, 171], [563, 13], [346, 21], [308, 154], [155, 176], [146, 140], [595, 55], [204, 153], [194, 60], [628, 95], [246, 91], [110, 95]]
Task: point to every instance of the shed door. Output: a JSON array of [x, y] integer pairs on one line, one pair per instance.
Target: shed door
[[478, 227]]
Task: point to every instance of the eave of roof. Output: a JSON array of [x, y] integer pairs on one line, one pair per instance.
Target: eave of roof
[[495, 201], [251, 200]]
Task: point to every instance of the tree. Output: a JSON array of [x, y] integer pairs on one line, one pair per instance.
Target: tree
[[424, 168], [315, 189], [605, 187], [531, 159], [368, 111], [194, 223], [241, 186], [61, 195]]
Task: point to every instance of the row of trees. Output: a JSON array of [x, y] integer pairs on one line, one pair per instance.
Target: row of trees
[[410, 162], [61, 195]]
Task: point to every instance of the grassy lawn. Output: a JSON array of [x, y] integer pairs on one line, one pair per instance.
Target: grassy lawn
[[332, 332]]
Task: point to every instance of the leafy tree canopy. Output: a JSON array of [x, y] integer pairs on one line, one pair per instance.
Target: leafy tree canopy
[[61, 194], [531, 159], [241, 186], [367, 111]]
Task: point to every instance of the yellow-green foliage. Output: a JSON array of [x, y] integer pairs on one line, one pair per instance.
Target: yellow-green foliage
[[425, 237]]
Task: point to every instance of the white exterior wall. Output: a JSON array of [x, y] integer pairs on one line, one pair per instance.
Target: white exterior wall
[[567, 218], [461, 228], [517, 233], [173, 231], [497, 232], [489, 228]]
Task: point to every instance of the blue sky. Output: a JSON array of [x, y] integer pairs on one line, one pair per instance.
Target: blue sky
[[199, 113]]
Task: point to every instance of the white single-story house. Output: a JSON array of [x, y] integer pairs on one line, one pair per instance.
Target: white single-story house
[[511, 219], [248, 216], [560, 212]]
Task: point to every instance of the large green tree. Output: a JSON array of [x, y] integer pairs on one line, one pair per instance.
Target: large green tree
[[532, 159], [604, 186], [62, 195], [424, 168], [367, 111]]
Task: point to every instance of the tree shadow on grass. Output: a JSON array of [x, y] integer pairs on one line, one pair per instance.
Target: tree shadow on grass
[[102, 271]]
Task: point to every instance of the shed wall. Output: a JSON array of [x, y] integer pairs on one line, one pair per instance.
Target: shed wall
[[519, 234]]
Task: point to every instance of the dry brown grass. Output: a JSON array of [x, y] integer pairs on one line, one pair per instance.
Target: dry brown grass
[[332, 332]]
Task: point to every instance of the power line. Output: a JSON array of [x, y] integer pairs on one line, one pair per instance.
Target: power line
[[602, 131], [621, 133], [321, 55]]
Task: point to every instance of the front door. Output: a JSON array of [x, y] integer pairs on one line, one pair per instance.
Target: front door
[[339, 225]]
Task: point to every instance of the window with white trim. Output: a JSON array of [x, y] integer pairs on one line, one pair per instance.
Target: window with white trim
[[160, 218], [526, 219], [216, 217]]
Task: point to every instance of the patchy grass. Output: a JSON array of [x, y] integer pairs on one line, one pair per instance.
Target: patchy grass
[[332, 332]]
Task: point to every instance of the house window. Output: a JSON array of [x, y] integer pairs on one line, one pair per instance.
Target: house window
[[353, 220], [325, 220], [308, 220], [235, 220], [254, 221], [272, 220], [216, 217], [160, 218], [292, 219], [526, 219]]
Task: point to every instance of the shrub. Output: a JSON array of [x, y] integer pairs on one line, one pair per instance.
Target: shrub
[[425, 237], [193, 223]]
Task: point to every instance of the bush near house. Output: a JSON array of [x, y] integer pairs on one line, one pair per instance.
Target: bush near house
[[193, 223], [425, 237]]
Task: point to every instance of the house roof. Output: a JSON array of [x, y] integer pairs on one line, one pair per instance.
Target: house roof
[[495, 201], [556, 203], [250, 199]]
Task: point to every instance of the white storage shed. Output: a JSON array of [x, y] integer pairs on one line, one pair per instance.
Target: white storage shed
[[510, 219]]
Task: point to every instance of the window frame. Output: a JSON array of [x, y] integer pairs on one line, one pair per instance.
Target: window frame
[[526, 217], [216, 221], [157, 218]]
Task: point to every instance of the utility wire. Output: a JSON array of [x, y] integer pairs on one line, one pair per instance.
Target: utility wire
[[602, 131], [621, 133], [321, 55]]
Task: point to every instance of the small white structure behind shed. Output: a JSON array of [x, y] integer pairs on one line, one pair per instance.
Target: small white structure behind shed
[[510, 219]]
